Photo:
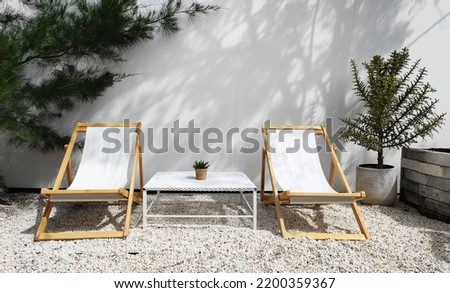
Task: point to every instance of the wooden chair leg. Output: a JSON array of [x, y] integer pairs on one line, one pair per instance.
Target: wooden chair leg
[[359, 219], [280, 216], [128, 214], [44, 220], [262, 194], [141, 174]]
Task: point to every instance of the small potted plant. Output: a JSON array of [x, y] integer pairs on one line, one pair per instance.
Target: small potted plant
[[201, 169], [398, 110]]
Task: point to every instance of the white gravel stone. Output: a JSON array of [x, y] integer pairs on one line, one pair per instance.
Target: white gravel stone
[[402, 240]]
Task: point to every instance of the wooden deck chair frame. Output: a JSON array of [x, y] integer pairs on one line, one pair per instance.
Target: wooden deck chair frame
[[127, 196], [283, 198]]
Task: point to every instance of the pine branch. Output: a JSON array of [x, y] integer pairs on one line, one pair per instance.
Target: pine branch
[[359, 86], [407, 114], [69, 85], [410, 92], [410, 128], [405, 78], [8, 16], [361, 135], [72, 43]]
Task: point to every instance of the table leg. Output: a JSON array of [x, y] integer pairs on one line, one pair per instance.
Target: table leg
[[144, 211], [255, 214]]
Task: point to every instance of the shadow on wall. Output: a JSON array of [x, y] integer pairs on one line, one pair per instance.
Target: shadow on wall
[[287, 61], [27, 169]]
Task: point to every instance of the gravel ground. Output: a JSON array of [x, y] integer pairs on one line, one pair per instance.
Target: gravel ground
[[402, 240]]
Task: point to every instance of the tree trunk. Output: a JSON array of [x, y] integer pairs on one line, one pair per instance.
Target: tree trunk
[[380, 148], [3, 188], [3, 191], [380, 159]]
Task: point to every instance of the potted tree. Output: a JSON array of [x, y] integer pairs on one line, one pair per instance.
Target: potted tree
[[201, 169], [398, 110]]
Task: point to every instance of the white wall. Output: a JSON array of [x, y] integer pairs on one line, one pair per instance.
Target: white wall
[[287, 61]]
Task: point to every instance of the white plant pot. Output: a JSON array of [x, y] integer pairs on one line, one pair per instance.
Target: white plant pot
[[380, 185]]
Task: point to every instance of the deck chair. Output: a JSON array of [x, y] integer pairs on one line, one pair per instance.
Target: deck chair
[[297, 177], [102, 176]]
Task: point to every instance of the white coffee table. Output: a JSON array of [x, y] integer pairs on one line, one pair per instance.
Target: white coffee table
[[185, 182]]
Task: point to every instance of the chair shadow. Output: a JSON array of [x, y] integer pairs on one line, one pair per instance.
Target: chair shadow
[[66, 217], [305, 218]]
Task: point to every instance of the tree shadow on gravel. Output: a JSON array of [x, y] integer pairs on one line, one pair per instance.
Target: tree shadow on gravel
[[313, 218], [438, 231], [306, 218], [16, 203]]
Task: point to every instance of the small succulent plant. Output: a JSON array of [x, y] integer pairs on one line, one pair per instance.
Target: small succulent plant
[[200, 164]]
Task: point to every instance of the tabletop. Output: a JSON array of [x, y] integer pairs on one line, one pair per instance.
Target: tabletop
[[185, 181]]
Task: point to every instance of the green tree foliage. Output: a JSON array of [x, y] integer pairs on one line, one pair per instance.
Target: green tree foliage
[[397, 103], [57, 55]]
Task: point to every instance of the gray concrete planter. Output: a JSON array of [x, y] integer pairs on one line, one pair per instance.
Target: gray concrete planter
[[425, 181], [380, 185]]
